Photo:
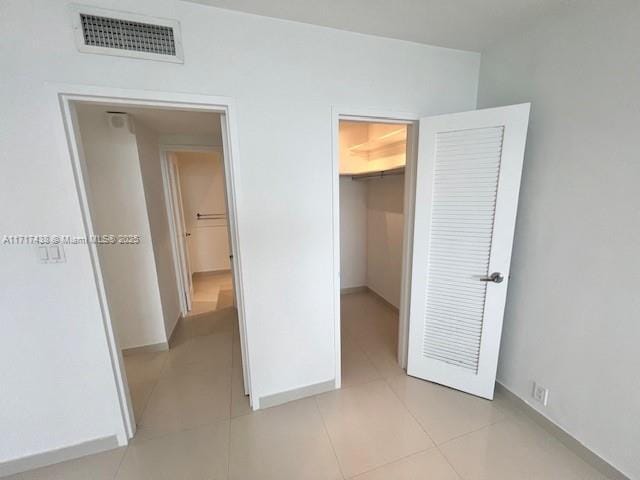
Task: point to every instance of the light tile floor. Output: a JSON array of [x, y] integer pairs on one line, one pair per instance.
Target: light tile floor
[[195, 422], [211, 291]]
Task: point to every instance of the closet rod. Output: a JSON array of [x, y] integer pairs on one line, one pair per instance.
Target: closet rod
[[383, 173]]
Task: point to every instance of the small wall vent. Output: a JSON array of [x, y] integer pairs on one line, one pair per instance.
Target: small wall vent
[[125, 34]]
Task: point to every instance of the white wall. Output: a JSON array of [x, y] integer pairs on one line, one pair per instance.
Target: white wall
[[118, 207], [573, 308], [203, 191], [284, 192], [151, 167], [385, 224], [371, 211], [353, 233]]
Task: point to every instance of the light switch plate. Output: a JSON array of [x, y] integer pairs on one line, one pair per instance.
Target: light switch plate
[[43, 253], [51, 254]]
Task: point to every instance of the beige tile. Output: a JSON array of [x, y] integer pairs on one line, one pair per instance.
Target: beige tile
[[199, 454], [198, 308], [210, 322], [373, 326], [428, 465], [515, 449], [211, 350], [370, 427], [356, 366], [186, 399], [443, 412], [288, 442], [212, 287], [140, 393], [225, 298], [236, 357], [102, 466], [239, 401], [236, 327], [383, 357], [144, 367]]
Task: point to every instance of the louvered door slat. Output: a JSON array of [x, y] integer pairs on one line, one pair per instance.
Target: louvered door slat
[[456, 339]]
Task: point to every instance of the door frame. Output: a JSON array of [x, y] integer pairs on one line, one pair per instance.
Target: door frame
[[165, 149], [71, 146], [379, 116]]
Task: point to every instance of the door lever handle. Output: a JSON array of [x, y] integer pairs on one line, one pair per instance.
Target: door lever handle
[[495, 277]]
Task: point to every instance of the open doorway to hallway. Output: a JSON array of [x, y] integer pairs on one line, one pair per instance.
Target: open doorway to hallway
[[196, 184], [183, 367]]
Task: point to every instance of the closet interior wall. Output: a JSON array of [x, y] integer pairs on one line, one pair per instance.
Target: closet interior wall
[[371, 209]]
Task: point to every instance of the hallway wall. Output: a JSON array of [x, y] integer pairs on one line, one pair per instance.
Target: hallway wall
[[385, 224], [148, 142], [202, 187], [353, 233], [371, 232], [118, 207]]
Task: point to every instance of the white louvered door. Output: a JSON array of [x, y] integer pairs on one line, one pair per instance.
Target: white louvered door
[[467, 185]]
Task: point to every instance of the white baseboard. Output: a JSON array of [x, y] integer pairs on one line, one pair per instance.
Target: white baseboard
[[154, 347], [350, 290], [44, 459], [204, 273], [563, 436], [366, 288], [296, 394]]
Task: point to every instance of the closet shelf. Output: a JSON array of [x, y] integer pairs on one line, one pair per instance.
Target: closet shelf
[[375, 174], [396, 138]]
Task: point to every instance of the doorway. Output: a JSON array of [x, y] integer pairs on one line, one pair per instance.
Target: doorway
[[376, 168], [462, 203], [124, 179], [197, 201]]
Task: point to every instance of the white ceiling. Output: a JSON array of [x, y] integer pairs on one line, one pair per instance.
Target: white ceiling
[[463, 24], [167, 121], [175, 122]]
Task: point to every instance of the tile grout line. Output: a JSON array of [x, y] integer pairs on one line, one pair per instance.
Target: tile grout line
[[326, 431], [124, 454], [437, 447], [476, 430], [366, 355], [128, 446], [392, 462]]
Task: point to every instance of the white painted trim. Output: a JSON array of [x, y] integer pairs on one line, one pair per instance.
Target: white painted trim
[[410, 171], [44, 459], [175, 232], [297, 393], [152, 347], [64, 95], [176, 246], [76, 10], [77, 158], [372, 115], [230, 156]]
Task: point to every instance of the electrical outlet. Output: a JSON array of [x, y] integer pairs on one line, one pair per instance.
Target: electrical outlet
[[540, 394]]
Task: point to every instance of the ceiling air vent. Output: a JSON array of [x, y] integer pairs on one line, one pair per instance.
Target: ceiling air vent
[[126, 34]]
